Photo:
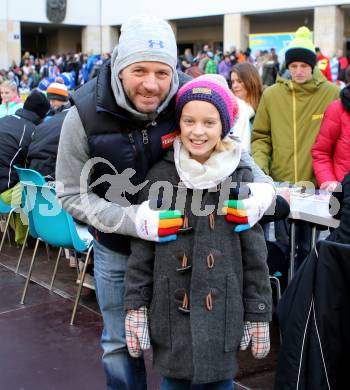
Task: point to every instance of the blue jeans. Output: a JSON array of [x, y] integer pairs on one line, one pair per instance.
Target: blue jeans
[[122, 371], [180, 384]]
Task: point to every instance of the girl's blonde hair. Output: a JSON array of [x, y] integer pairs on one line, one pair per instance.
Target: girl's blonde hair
[[224, 144]]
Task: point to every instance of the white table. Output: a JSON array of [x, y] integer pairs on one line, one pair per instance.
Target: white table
[[309, 208]]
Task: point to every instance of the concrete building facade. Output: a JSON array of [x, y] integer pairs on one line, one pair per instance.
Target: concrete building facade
[[93, 26]]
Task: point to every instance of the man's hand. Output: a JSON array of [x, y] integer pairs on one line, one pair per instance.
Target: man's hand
[[158, 226], [136, 331], [329, 186], [247, 212], [258, 333]]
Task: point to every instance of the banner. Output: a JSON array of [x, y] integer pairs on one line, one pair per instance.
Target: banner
[[278, 41]]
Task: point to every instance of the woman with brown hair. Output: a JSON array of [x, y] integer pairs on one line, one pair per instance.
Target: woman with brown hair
[[247, 87]]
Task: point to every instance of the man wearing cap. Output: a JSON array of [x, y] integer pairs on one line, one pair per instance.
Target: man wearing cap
[[42, 151], [289, 116], [122, 123], [15, 136]]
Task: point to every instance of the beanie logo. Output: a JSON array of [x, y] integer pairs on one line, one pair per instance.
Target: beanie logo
[[205, 91], [153, 44]]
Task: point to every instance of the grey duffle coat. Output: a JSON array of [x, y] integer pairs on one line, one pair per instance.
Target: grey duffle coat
[[199, 288]]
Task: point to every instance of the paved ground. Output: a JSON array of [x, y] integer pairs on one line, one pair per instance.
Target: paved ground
[[39, 350]]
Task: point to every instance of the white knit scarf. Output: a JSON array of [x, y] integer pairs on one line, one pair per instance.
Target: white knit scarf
[[215, 170]]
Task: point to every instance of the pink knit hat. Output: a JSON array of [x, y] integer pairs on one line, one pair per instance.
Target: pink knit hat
[[211, 88]]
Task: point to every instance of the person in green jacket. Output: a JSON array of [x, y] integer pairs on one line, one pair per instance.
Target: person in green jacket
[[289, 117]]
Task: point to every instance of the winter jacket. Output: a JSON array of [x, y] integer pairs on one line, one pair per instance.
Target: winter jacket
[[42, 151], [224, 69], [331, 151], [10, 108], [211, 67], [286, 124], [226, 282], [340, 208], [15, 136], [314, 318]]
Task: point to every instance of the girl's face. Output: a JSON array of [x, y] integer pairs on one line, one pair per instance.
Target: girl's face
[[238, 87], [7, 94], [201, 129]]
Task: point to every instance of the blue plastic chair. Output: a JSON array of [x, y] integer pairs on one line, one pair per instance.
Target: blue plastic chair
[[56, 227], [29, 176], [6, 210]]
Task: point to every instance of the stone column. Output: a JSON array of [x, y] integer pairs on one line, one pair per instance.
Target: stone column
[[236, 30], [329, 29], [91, 38], [110, 37], [10, 43]]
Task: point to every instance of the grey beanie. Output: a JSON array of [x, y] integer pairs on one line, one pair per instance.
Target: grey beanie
[[144, 38]]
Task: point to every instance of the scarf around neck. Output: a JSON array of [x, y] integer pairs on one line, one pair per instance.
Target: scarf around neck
[[215, 170]]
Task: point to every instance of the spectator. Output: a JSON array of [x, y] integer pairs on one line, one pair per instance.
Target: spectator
[[334, 65], [224, 67], [188, 55], [42, 151], [323, 64], [343, 64], [287, 122], [10, 101], [15, 135], [210, 67], [247, 87], [203, 60], [58, 96], [331, 151], [269, 70]]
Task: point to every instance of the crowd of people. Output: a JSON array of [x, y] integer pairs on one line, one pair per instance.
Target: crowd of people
[[184, 271]]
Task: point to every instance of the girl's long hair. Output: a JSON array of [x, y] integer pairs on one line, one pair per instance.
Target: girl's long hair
[[252, 82]]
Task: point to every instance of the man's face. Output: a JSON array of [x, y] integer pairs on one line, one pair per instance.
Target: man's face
[[300, 72], [146, 84], [55, 103]]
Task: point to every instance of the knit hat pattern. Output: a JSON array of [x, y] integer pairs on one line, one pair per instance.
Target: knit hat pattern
[[301, 48], [57, 91], [37, 102], [145, 38], [211, 89]]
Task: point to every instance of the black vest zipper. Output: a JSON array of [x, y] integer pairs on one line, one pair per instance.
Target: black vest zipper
[[147, 144]]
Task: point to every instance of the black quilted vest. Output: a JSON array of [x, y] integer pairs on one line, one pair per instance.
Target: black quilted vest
[[114, 136]]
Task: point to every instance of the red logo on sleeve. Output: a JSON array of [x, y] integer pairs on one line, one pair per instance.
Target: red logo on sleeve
[[168, 139]]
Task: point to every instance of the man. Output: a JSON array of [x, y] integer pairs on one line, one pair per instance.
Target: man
[[15, 135], [289, 116], [123, 122], [58, 96]]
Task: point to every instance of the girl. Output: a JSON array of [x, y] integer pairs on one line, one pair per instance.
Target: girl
[[10, 101], [247, 87], [207, 292]]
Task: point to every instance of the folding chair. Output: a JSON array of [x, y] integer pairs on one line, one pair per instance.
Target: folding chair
[[56, 227]]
